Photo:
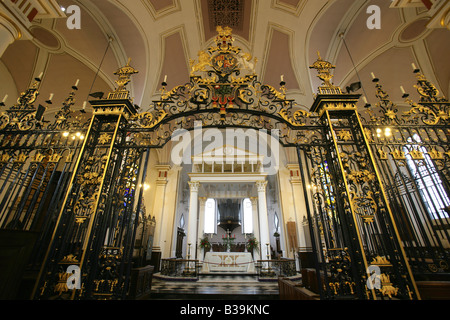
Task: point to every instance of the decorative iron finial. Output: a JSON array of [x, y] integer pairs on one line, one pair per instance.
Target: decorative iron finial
[[323, 68], [27, 98], [427, 90], [124, 74], [22, 115]]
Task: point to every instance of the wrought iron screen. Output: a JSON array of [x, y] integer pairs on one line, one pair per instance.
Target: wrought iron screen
[[375, 183]]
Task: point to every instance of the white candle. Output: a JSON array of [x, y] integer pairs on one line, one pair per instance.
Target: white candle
[[40, 75], [365, 99], [413, 66], [4, 99], [282, 77], [373, 76], [76, 83], [51, 97], [84, 104], [165, 78], [403, 90]]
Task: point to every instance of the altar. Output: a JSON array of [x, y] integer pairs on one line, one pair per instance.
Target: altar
[[228, 262]]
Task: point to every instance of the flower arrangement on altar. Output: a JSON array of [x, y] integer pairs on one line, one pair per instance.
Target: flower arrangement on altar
[[204, 242], [252, 243]]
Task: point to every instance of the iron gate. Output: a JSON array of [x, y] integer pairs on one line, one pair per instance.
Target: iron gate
[[79, 183]]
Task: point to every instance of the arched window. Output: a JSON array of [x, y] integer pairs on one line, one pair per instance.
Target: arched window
[[210, 216], [247, 215], [427, 179]]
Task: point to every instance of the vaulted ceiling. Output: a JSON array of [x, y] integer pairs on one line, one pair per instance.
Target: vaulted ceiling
[[162, 36]]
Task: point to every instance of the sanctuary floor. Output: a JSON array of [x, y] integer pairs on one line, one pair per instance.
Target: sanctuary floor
[[216, 286]]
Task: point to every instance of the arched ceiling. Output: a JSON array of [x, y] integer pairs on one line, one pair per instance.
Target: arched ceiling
[[162, 36]]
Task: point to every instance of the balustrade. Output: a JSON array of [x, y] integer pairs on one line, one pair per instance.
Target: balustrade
[[177, 268]]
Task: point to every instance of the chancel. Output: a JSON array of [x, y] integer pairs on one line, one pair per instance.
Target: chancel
[[213, 149]]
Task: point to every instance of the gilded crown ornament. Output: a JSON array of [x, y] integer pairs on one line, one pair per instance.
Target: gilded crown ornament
[[224, 37], [324, 69], [124, 77]]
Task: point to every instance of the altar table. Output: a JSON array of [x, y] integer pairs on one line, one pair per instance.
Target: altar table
[[228, 262]]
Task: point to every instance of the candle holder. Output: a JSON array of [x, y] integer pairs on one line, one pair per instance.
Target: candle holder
[[187, 269], [268, 257]]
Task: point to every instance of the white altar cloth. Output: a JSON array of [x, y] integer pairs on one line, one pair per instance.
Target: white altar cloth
[[228, 262]]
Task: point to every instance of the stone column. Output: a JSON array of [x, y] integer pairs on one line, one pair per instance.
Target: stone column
[[254, 200], [263, 220], [192, 220], [201, 225], [158, 207], [299, 202]]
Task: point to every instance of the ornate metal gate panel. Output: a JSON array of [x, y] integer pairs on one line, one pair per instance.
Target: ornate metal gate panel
[[412, 153], [358, 229], [37, 158], [97, 224]]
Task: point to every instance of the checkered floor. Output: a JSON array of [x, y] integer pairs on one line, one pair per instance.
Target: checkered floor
[[215, 287]]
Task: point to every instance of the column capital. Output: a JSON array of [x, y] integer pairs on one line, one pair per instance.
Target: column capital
[[292, 166], [162, 174], [294, 173], [202, 200], [261, 185], [162, 167], [194, 186]]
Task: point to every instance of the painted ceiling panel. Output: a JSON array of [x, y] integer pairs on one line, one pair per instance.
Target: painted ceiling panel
[[132, 42], [160, 5], [45, 37], [414, 30], [291, 3], [19, 59], [89, 41], [398, 74], [325, 29], [438, 43], [174, 62], [362, 41], [62, 73], [279, 62]]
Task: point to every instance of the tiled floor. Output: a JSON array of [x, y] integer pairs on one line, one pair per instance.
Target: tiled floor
[[225, 287]]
